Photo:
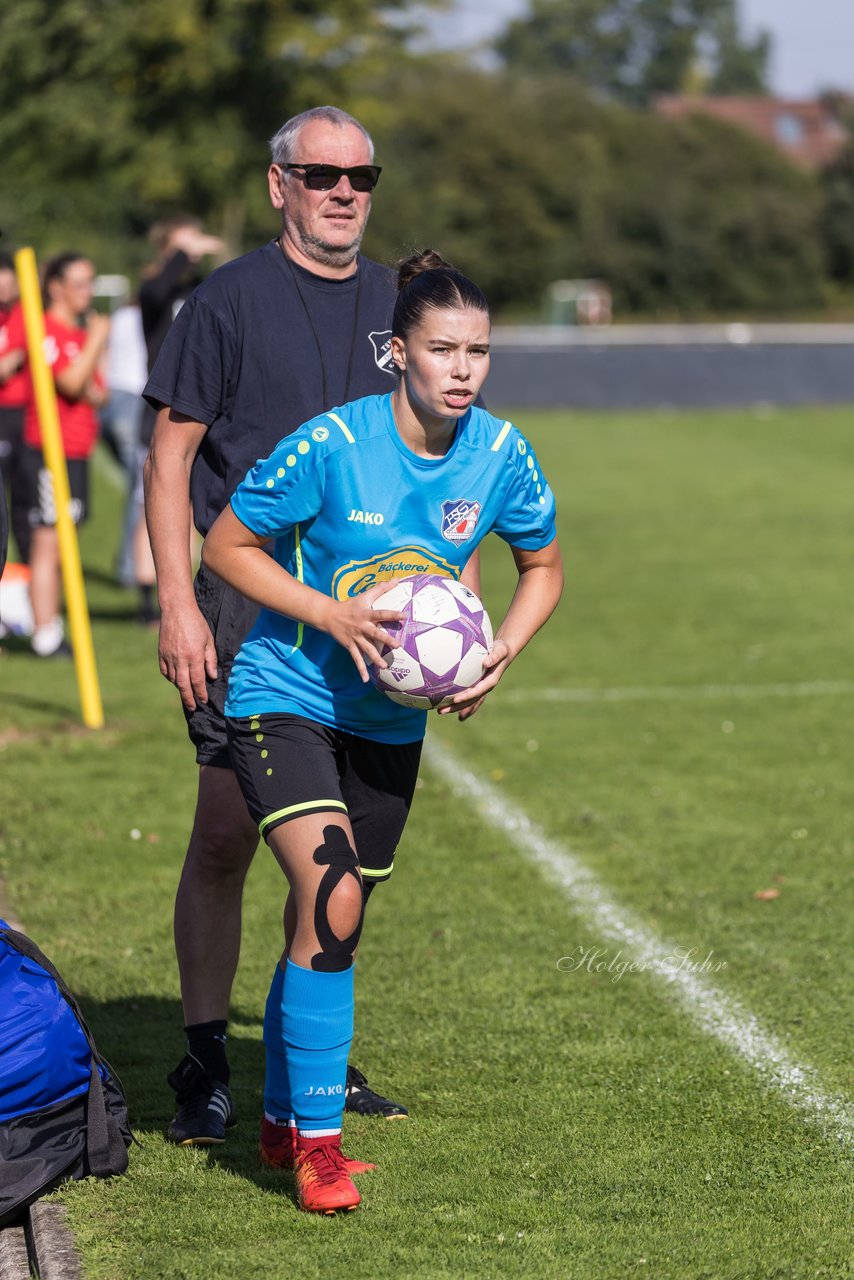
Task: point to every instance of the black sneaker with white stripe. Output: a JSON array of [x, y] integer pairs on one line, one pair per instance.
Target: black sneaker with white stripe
[[205, 1109], [359, 1098]]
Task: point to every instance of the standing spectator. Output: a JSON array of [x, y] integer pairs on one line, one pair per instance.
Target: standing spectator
[[266, 343], [121, 420], [4, 529], [14, 387], [180, 243], [75, 339]]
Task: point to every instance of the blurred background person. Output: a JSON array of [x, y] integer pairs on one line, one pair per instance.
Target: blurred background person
[[180, 243], [75, 342], [4, 529], [14, 389], [121, 418]]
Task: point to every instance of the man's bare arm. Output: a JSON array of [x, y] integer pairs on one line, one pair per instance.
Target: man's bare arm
[[187, 652]]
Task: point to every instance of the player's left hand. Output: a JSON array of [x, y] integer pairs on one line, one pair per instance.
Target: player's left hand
[[495, 664]]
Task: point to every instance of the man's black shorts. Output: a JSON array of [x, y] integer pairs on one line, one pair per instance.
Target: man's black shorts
[[230, 617], [288, 767]]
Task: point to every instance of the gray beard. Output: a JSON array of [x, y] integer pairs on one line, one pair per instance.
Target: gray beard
[[330, 255]]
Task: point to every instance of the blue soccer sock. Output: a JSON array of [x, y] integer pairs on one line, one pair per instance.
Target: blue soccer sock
[[277, 1088], [317, 1028]]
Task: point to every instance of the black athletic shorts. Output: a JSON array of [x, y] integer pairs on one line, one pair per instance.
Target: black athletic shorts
[[288, 766], [12, 472], [230, 617], [38, 486], [11, 432]]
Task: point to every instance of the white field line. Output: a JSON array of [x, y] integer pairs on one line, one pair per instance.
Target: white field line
[[685, 693], [713, 1012]]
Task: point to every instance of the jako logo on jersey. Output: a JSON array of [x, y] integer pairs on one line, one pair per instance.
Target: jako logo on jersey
[[459, 519], [357, 575], [366, 517], [320, 434], [381, 343]]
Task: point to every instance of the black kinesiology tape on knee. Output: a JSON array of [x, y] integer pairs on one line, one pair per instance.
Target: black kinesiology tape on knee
[[338, 856]]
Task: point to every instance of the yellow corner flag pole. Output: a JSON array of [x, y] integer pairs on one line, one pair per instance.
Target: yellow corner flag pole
[[54, 455]]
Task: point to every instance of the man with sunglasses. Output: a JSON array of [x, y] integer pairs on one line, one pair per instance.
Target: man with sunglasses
[[264, 344]]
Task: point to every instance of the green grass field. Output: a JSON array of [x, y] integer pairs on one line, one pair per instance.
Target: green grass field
[[567, 1124]]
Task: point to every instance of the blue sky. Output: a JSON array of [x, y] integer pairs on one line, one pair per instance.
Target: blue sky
[[813, 39]]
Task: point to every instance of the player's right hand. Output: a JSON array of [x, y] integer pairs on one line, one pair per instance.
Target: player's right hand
[[187, 654], [356, 626]]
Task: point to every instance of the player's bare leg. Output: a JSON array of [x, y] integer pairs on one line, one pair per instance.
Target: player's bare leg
[[309, 1017]]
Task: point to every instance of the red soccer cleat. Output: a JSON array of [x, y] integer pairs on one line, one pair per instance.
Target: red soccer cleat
[[278, 1149], [323, 1183]]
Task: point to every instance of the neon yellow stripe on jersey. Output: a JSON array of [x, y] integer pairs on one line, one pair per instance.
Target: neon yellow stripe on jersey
[[300, 578], [502, 436], [348, 435], [293, 809], [386, 871]]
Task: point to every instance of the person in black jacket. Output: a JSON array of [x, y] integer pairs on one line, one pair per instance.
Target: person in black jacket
[[180, 244]]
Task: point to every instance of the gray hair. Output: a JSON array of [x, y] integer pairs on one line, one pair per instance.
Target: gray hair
[[283, 145]]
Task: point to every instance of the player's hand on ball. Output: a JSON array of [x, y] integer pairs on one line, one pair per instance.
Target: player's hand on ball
[[358, 628], [495, 664]]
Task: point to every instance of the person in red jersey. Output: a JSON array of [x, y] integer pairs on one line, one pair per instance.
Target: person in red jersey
[[14, 386], [75, 338]]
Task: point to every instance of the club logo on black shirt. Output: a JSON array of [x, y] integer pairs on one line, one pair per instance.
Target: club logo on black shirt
[[381, 343]]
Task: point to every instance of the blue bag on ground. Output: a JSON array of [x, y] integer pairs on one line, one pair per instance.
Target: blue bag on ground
[[62, 1111]]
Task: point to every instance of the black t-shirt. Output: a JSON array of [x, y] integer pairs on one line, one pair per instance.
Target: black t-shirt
[[244, 358]]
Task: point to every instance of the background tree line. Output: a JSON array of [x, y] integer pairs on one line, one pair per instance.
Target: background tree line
[[543, 165]]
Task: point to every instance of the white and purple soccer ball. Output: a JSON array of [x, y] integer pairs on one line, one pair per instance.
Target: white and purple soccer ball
[[444, 637]]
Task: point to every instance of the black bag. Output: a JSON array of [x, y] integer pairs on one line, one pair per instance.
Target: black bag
[[62, 1110]]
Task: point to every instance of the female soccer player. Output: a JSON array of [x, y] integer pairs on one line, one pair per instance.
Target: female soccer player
[[379, 488], [75, 338]]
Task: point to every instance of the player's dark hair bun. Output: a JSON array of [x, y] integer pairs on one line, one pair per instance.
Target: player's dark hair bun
[[425, 281], [417, 263]]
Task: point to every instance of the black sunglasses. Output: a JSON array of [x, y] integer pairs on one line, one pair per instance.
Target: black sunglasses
[[324, 177]]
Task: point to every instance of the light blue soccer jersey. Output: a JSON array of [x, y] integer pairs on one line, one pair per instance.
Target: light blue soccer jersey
[[349, 505]]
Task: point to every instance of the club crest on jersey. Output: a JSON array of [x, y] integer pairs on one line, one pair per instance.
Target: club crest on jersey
[[459, 519], [381, 343]]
